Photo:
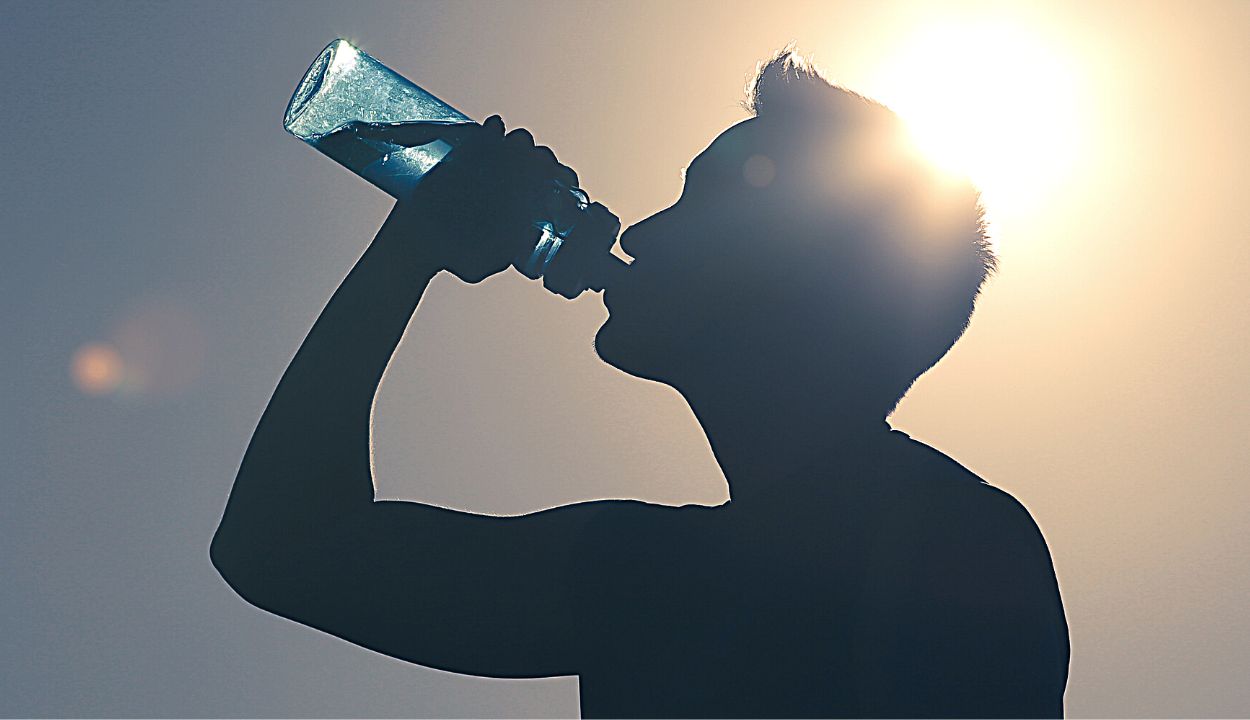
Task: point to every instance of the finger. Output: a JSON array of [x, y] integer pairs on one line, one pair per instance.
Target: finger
[[494, 126], [519, 138], [560, 173], [477, 138], [602, 227]]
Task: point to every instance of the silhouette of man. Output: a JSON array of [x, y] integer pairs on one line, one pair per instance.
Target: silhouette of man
[[811, 270]]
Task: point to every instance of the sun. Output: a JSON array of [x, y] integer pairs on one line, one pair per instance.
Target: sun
[[995, 100]]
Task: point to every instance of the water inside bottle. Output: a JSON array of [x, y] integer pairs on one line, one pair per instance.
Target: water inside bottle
[[398, 168], [391, 166]]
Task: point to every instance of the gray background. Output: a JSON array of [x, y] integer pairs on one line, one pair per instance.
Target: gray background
[[150, 200]]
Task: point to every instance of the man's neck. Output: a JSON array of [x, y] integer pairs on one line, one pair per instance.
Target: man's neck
[[762, 436]]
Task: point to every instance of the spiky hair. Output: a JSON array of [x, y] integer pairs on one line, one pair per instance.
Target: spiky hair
[[939, 254]]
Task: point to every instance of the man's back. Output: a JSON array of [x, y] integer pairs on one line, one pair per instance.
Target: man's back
[[903, 586]]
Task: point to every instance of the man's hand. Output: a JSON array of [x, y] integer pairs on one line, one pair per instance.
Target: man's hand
[[479, 205]]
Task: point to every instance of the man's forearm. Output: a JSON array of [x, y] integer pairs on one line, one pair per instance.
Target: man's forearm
[[310, 451], [338, 367]]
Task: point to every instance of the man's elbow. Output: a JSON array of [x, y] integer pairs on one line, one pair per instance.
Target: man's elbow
[[242, 567], [274, 574], [227, 557]]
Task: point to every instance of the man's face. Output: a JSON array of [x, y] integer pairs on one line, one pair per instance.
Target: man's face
[[700, 291]]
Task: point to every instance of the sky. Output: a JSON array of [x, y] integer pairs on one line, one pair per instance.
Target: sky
[[166, 246]]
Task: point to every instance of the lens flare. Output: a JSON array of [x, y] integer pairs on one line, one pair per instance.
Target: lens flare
[[163, 345], [155, 350], [97, 368], [759, 170]]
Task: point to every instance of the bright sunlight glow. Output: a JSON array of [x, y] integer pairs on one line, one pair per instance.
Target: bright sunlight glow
[[991, 99]]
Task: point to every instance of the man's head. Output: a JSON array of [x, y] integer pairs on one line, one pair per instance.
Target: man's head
[[811, 248]]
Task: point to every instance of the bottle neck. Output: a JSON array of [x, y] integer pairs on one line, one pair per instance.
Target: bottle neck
[[572, 252]]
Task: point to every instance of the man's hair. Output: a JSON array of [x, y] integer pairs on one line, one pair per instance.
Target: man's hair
[[917, 236]]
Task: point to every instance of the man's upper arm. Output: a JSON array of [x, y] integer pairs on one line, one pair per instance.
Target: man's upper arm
[[975, 626], [1003, 616], [481, 595]]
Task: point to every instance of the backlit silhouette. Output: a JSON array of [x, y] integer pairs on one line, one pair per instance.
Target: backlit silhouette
[[811, 270]]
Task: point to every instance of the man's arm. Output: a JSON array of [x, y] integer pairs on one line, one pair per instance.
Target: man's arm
[[967, 619], [303, 538]]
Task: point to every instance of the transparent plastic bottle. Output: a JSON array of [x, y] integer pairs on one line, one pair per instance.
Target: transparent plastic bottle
[[345, 85]]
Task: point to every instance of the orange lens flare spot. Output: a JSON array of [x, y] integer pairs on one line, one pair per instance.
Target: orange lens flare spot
[[97, 369]]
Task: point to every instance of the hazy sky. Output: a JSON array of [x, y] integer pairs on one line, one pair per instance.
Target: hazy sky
[[151, 204]]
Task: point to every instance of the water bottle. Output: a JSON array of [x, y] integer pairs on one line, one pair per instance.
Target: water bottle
[[345, 85]]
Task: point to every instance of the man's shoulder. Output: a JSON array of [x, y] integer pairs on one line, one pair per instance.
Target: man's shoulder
[[944, 509], [643, 531], [961, 584], [942, 486]]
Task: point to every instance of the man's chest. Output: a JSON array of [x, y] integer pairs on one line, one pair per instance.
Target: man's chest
[[780, 615]]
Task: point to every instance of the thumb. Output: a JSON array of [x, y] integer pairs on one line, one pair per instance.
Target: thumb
[[413, 134]]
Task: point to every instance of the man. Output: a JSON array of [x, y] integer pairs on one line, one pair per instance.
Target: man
[[811, 270]]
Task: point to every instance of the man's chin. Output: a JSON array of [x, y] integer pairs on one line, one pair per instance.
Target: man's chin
[[624, 350], [606, 345]]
